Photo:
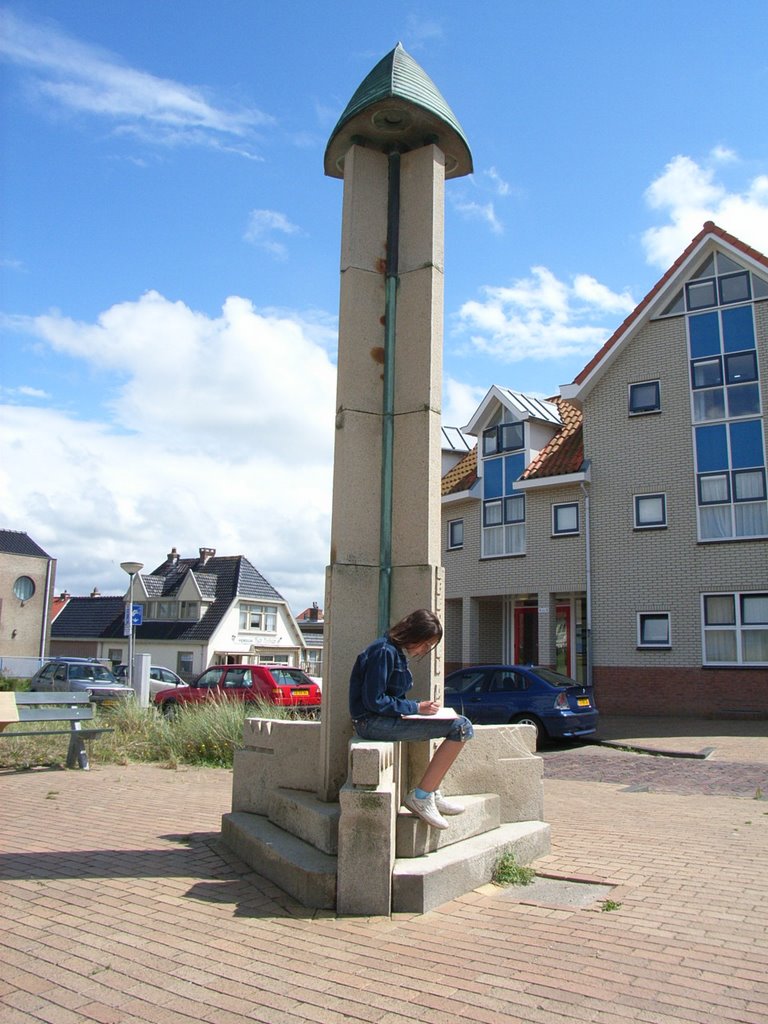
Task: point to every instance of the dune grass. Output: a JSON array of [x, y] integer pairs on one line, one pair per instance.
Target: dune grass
[[206, 734]]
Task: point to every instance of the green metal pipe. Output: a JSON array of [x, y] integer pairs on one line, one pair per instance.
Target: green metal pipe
[[388, 399]]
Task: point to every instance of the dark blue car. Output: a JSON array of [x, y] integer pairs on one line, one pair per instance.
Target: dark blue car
[[558, 707]]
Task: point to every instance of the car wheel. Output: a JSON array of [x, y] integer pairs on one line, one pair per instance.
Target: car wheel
[[527, 719], [170, 709]]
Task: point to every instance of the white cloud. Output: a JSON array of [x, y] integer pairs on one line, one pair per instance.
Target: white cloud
[[690, 193], [262, 225], [24, 391], [501, 187], [479, 211], [84, 79], [423, 30], [216, 432], [460, 401], [541, 317]]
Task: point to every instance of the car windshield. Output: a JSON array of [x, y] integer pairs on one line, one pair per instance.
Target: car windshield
[[95, 672], [554, 678]]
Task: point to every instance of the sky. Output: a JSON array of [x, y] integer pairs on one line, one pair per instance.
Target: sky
[[169, 244]]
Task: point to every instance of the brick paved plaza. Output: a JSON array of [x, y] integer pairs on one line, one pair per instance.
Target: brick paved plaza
[[118, 905]]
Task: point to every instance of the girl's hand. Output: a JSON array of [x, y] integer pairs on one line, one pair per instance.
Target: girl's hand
[[428, 707]]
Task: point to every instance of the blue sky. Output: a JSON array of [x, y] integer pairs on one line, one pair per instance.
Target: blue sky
[[170, 246]]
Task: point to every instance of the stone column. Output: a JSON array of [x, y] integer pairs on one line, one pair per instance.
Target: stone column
[[352, 578]]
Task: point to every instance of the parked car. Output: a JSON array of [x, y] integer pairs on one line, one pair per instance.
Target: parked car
[[284, 686], [556, 705], [160, 678], [78, 675]]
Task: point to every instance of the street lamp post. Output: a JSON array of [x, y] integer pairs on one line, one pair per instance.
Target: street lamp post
[[131, 568]]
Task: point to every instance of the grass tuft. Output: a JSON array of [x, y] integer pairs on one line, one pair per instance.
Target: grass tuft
[[508, 872]]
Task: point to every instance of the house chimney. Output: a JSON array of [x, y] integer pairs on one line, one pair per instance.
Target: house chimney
[[314, 612], [64, 595], [206, 553], [95, 592], [172, 556]]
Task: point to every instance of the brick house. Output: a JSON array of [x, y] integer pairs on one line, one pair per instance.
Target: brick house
[[27, 579], [619, 532]]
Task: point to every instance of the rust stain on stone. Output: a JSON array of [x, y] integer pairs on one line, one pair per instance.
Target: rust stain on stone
[[377, 354]]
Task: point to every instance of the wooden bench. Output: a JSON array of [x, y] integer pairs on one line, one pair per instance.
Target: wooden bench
[[52, 709]]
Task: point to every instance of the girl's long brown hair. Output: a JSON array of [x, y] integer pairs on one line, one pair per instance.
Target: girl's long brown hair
[[415, 628]]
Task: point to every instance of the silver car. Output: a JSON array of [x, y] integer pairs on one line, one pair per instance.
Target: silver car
[[160, 678], [80, 675]]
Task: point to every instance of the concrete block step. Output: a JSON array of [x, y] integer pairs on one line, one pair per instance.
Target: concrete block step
[[305, 816], [295, 866], [421, 884], [415, 837]]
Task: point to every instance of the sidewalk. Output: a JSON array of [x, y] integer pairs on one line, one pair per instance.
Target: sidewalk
[[730, 740], [118, 905]]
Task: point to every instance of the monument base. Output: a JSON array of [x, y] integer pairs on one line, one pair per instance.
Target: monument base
[[365, 854]]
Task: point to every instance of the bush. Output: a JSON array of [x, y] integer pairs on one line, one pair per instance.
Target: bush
[[205, 734], [13, 683]]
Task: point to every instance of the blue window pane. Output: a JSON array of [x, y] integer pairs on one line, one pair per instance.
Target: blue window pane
[[705, 335], [746, 444], [738, 329], [513, 467], [711, 448], [493, 478]]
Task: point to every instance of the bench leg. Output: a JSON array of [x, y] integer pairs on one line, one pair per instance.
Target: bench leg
[[77, 754]]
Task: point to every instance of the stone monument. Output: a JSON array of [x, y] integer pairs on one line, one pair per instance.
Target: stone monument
[[313, 809]]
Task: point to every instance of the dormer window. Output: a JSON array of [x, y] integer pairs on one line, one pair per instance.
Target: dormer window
[[504, 437]]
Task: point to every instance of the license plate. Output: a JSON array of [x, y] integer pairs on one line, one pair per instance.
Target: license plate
[[300, 693], [108, 703], [583, 702]]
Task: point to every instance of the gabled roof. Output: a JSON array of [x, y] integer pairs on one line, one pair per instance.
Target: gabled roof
[[15, 542], [521, 406], [709, 236], [221, 580], [562, 456]]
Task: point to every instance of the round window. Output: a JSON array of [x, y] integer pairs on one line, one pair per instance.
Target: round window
[[24, 588]]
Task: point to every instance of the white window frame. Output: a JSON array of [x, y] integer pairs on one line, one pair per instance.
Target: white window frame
[[265, 613], [737, 627], [658, 525], [653, 645], [558, 508], [452, 544]]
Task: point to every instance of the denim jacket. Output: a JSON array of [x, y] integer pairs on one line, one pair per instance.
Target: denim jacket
[[379, 682]]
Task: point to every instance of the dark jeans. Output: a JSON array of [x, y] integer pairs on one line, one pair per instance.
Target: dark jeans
[[384, 728]]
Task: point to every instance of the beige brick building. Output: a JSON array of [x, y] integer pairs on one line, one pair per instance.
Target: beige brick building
[[27, 579], [619, 532]]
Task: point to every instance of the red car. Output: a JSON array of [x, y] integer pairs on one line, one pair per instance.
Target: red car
[[281, 685]]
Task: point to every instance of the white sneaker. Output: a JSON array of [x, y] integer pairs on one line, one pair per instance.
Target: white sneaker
[[446, 806], [425, 809]]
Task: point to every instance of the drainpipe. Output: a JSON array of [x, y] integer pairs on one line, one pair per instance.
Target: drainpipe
[[388, 403], [588, 559]]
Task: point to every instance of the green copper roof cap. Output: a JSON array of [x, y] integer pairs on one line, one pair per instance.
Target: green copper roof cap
[[398, 106]]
